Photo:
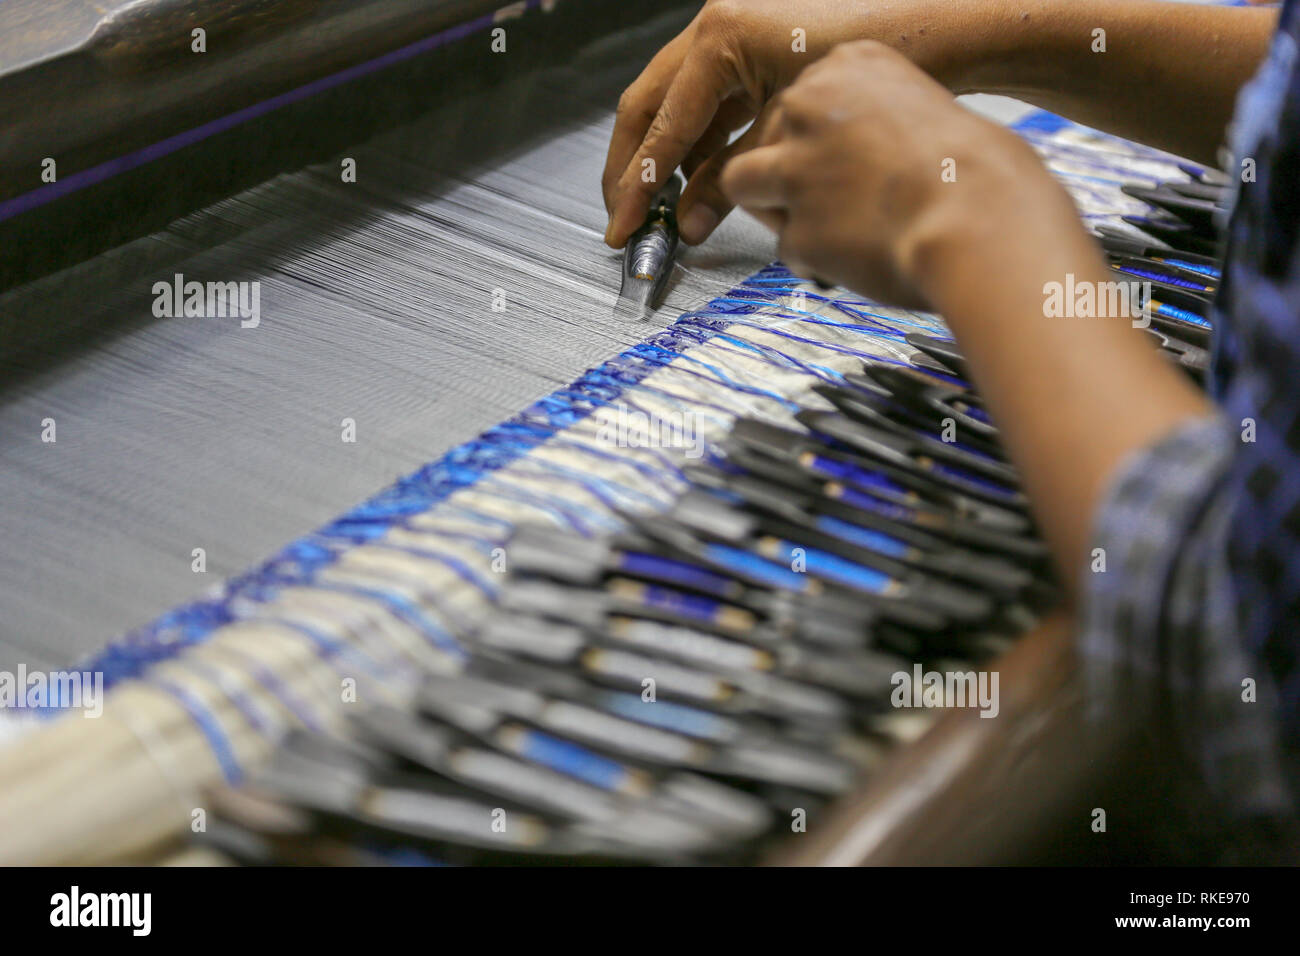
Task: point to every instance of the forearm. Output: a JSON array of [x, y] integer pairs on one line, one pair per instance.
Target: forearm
[[1168, 76], [1073, 396]]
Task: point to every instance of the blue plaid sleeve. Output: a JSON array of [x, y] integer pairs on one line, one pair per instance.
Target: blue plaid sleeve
[[1160, 629]]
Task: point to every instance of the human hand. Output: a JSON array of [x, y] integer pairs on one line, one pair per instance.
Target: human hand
[[722, 71], [873, 176]]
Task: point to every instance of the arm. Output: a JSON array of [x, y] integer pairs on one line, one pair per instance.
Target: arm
[[1068, 417], [1168, 76], [848, 172], [1115, 447]]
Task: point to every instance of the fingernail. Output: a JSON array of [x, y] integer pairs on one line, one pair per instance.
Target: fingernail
[[698, 223]]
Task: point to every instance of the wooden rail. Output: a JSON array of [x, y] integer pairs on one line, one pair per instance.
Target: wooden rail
[[84, 82]]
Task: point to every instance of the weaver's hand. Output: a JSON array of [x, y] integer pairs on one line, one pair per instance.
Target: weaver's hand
[[871, 173], [1113, 64], [851, 173], [722, 71]]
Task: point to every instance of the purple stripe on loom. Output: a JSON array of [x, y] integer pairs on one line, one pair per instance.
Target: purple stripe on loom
[[147, 154]]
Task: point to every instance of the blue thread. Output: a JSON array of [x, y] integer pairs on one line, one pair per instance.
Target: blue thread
[[674, 572], [863, 537], [750, 565], [1196, 267], [1174, 312], [240, 698], [328, 648], [1173, 280], [272, 682], [405, 610], [832, 567], [485, 456], [211, 728], [571, 759], [692, 606], [666, 715]]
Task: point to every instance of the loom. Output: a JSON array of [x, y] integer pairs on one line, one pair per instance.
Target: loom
[[421, 217]]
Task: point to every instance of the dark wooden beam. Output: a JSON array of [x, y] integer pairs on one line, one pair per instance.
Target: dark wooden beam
[[84, 82]]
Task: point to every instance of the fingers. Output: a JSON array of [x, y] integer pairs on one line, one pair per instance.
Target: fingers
[[704, 204], [685, 115], [757, 179], [775, 219], [733, 114], [636, 111]]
